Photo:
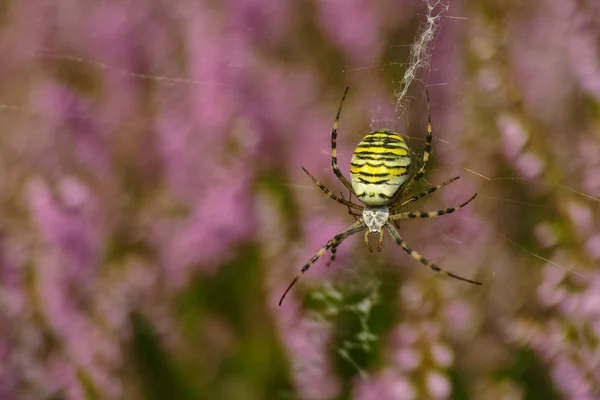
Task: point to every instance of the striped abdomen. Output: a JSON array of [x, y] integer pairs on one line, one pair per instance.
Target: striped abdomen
[[379, 167]]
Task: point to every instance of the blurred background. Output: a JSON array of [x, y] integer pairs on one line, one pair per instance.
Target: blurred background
[[153, 209]]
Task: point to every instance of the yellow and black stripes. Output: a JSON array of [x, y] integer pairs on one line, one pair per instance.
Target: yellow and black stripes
[[334, 242], [334, 165], [379, 167], [430, 214], [422, 259]]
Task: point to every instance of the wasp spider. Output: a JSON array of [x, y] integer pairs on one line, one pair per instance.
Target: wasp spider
[[379, 173]]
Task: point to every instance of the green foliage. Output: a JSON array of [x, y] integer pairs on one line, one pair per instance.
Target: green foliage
[[159, 376], [361, 313], [252, 366], [527, 369]]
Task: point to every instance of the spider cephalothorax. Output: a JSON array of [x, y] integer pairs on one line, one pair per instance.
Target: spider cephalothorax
[[375, 218], [379, 172]]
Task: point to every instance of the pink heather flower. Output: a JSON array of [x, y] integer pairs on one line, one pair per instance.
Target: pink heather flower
[[581, 217], [529, 165], [430, 331], [354, 28], [407, 358], [68, 120], [438, 386], [542, 41], [545, 235], [581, 37], [307, 343], [218, 220], [265, 22], [405, 334], [488, 79], [387, 385], [72, 232], [513, 135], [442, 355], [591, 181], [592, 246], [8, 376], [460, 318]]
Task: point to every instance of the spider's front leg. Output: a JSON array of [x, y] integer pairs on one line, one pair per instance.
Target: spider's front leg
[[380, 242], [367, 241], [426, 154], [334, 164]]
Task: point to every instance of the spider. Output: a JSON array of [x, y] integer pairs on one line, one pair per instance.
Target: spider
[[379, 173]]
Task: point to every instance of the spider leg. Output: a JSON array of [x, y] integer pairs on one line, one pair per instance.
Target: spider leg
[[422, 259], [334, 247], [430, 214], [425, 193], [333, 254], [367, 241], [335, 241], [355, 215], [328, 193], [427, 151], [334, 165], [417, 177], [380, 242]]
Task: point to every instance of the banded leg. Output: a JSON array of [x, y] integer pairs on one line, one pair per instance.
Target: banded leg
[[337, 239], [331, 195], [380, 241], [422, 259], [425, 193], [427, 151], [355, 215], [367, 241], [334, 165], [430, 214], [333, 254], [417, 177]]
